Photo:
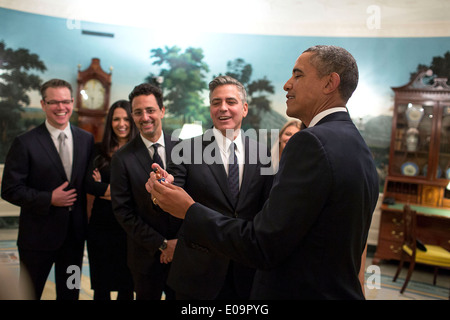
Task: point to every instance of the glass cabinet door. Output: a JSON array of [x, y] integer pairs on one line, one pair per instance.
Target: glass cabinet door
[[412, 139], [444, 148]]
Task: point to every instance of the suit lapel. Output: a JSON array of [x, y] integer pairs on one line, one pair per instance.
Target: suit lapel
[[142, 154], [216, 167], [249, 168], [169, 144], [220, 174], [46, 141], [76, 151]]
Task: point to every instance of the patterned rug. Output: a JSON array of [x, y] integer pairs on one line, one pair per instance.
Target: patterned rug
[[415, 290], [385, 289], [9, 258]]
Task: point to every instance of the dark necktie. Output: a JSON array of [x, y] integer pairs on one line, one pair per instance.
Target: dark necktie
[[233, 174], [156, 158], [64, 154]]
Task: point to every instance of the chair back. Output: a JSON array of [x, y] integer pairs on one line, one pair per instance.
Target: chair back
[[409, 222]]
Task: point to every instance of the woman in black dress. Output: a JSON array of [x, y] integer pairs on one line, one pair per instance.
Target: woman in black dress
[[106, 241]]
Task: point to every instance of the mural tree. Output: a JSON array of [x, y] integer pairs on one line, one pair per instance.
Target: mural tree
[[16, 80], [184, 80], [183, 75], [439, 65], [257, 91]]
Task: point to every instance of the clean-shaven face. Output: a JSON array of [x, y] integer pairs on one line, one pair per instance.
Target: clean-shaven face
[[226, 108], [121, 124], [58, 106], [304, 89]]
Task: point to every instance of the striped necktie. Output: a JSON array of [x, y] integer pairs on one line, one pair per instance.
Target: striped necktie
[[233, 174]]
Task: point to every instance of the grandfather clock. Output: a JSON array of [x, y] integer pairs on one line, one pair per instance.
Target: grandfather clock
[[92, 96]]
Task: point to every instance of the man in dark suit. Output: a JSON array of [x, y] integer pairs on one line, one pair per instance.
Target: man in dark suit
[[200, 166], [151, 233], [44, 177], [308, 240]]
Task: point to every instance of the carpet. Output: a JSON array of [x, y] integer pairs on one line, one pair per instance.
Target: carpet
[[415, 290], [381, 289]]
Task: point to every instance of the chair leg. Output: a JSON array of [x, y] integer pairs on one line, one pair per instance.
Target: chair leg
[[435, 275], [408, 276], [400, 266]]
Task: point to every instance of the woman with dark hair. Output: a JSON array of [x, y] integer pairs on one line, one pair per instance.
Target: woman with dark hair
[[106, 241]]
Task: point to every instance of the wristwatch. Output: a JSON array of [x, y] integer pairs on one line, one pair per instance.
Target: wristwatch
[[163, 246]]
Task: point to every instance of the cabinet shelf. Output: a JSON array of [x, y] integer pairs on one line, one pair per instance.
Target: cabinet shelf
[[418, 160]]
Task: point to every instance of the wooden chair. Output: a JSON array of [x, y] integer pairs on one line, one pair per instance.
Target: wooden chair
[[432, 255]]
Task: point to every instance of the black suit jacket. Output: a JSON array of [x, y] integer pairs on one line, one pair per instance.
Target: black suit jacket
[[308, 240], [196, 271], [33, 169], [145, 225]]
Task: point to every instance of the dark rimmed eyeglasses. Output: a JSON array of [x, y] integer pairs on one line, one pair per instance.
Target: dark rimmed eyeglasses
[[56, 102]]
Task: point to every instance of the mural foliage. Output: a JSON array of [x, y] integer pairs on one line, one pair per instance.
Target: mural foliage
[[16, 80], [183, 79]]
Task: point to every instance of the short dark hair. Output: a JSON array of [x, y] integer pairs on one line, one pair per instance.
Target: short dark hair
[[328, 59], [55, 83], [147, 89]]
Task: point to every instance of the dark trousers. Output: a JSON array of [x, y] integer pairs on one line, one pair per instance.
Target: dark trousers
[[35, 266], [151, 285], [228, 291]]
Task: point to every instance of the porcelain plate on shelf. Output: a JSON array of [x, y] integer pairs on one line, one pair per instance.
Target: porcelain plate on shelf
[[447, 173], [410, 169], [438, 173]]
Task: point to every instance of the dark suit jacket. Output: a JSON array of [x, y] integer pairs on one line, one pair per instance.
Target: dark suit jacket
[[308, 240], [33, 169], [145, 225], [196, 271]]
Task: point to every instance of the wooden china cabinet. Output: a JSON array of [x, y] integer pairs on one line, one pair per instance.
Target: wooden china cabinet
[[419, 166]]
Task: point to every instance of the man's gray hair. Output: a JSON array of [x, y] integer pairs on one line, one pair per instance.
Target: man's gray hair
[[223, 80]]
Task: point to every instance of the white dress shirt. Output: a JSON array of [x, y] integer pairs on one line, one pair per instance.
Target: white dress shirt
[[323, 114], [54, 133], [161, 148], [224, 147]]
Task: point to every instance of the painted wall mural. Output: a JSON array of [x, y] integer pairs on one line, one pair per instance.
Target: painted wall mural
[[262, 63]]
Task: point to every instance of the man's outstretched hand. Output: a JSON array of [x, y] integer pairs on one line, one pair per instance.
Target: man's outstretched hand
[[169, 197]]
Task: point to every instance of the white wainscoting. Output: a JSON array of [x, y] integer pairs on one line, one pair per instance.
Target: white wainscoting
[[7, 209], [375, 226]]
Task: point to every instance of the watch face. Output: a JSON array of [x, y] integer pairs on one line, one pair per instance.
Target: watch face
[[92, 95]]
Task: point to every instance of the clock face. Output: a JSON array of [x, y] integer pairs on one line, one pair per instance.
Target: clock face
[[92, 95]]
